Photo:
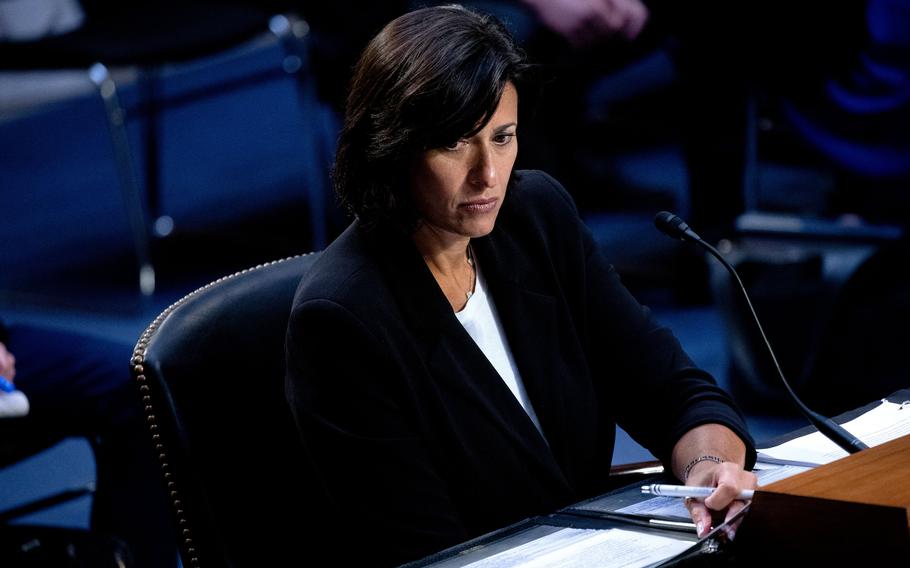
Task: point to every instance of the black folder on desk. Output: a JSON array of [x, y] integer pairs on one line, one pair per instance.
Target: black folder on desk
[[597, 514]]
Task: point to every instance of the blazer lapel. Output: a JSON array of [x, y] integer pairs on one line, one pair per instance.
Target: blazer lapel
[[458, 362], [555, 378], [453, 357]]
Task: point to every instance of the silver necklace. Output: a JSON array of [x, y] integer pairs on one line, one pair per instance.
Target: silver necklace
[[470, 260]]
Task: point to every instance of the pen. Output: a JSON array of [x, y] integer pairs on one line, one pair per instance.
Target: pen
[[675, 525], [687, 491], [641, 520]]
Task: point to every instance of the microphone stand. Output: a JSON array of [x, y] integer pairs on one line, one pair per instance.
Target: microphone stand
[[675, 227]]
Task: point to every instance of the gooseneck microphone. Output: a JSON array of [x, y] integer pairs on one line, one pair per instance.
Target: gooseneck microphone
[[674, 227]]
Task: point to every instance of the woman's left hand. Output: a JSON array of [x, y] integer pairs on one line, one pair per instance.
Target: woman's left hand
[[728, 479], [7, 363]]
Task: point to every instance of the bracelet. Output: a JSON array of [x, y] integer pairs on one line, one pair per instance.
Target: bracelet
[[697, 461]]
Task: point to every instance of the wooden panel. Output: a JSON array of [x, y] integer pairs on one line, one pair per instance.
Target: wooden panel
[[852, 512]]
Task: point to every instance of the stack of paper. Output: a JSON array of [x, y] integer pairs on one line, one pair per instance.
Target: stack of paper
[[587, 548], [885, 422]]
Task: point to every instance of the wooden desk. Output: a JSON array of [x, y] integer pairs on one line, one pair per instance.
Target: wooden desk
[[853, 510], [878, 476]]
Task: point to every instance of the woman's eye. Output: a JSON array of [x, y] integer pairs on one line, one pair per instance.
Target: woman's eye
[[455, 145], [504, 138]]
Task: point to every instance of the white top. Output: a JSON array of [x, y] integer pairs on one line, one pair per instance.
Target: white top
[[481, 321]]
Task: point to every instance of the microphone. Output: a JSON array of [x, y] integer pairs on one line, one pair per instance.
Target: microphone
[[674, 227]]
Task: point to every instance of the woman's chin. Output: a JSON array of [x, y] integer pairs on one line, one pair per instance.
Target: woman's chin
[[477, 230]]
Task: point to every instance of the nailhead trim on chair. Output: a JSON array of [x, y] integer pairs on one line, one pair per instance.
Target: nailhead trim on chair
[[138, 362]]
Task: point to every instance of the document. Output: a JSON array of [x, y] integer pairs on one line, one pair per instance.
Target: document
[[769, 473], [658, 507], [588, 548], [885, 422]]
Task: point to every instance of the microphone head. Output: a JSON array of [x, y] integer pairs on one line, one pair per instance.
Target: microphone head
[[672, 226]]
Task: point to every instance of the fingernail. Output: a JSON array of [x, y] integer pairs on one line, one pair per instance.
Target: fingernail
[[699, 528]]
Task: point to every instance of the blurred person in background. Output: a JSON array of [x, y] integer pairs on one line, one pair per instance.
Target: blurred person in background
[[80, 385]]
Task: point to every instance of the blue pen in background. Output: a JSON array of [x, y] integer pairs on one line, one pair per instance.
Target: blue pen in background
[[6, 385]]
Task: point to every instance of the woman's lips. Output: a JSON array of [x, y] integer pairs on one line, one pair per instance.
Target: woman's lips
[[479, 205]]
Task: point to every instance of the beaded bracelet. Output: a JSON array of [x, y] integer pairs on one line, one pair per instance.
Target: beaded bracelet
[[697, 461]]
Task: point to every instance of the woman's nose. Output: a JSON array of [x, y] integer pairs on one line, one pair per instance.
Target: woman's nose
[[483, 171]]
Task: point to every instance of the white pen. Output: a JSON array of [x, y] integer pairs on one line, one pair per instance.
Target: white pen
[[687, 491]]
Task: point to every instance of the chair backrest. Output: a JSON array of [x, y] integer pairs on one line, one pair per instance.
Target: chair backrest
[[210, 370]]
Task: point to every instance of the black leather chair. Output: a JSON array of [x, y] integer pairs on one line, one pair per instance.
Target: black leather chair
[[210, 370]]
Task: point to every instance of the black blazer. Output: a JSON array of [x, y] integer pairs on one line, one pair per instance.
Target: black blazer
[[413, 432]]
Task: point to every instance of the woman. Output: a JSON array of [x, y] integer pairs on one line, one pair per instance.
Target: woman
[[458, 358]]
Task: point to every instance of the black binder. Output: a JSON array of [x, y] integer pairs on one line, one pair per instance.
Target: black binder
[[600, 513]]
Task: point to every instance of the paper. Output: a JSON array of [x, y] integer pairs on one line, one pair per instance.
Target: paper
[[769, 473], [658, 507], [588, 548], [883, 423]]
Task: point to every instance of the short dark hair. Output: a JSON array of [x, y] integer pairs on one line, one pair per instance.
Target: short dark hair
[[428, 79]]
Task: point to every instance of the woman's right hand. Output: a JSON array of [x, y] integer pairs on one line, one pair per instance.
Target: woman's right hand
[[585, 22]]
